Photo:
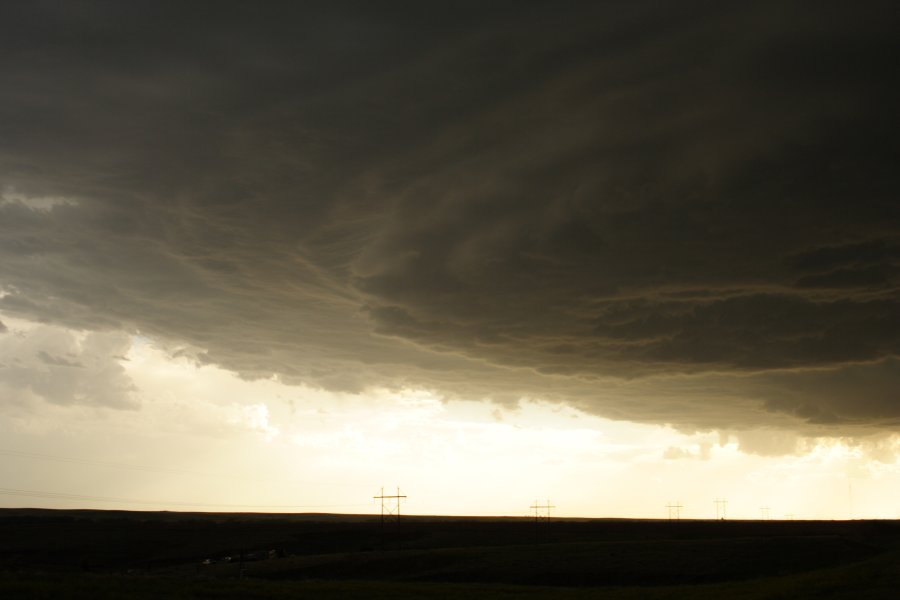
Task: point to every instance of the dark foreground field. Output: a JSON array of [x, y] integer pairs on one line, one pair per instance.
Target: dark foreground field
[[105, 554]]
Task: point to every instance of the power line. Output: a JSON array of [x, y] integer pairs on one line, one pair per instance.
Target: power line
[[150, 469], [111, 499], [98, 463]]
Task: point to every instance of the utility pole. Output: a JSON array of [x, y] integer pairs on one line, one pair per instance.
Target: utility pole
[[674, 511], [390, 509], [541, 514], [538, 515], [721, 506]]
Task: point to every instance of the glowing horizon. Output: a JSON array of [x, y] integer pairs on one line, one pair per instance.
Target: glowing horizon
[[262, 445]]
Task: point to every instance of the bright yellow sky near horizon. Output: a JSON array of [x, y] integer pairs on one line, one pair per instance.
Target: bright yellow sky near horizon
[[201, 438]]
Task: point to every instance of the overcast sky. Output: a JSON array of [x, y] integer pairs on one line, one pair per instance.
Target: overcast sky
[[652, 240]]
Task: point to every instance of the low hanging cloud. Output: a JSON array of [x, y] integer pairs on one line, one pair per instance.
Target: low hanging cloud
[[52, 364], [675, 214]]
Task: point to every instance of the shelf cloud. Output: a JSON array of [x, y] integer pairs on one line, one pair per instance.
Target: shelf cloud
[[680, 214]]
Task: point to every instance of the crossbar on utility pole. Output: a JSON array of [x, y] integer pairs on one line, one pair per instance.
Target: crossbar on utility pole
[[675, 511], [537, 507], [541, 514], [391, 509]]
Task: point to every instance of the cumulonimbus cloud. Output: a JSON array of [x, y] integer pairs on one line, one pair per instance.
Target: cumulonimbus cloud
[[668, 214]]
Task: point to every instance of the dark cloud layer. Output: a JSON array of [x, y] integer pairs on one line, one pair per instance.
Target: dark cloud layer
[[668, 212]]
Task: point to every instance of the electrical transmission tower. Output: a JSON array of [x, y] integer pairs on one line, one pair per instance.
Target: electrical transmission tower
[[541, 515], [764, 512], [721, 506], [390, 507], [674, 511], [541, 511]]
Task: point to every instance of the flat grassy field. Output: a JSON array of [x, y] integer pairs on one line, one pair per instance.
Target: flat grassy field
[[95, 554]]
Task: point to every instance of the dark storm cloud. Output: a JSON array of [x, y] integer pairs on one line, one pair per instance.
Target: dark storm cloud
[[669, 213]]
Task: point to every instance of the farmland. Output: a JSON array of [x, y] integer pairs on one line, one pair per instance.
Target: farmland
[[116, 554]]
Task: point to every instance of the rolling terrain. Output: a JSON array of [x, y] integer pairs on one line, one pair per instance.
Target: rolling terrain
[[118, 554]]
